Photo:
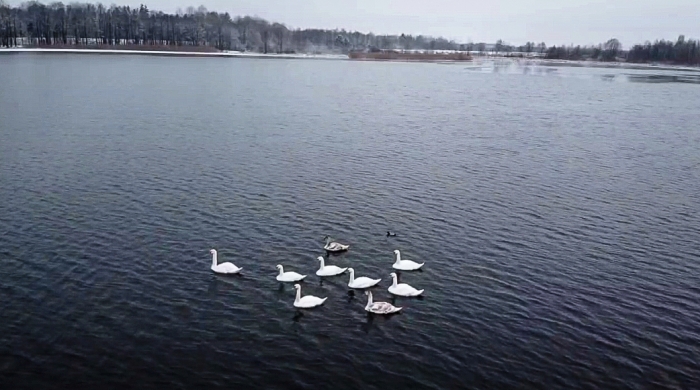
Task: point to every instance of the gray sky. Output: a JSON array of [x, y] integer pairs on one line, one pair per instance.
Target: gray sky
[[515, 21]]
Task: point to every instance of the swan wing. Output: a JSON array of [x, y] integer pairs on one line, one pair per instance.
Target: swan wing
[[290, 277], [294, 275], [404, 290], [407, 265], [227, 268], [331, 270], [335, 246], [413, 264], [310, 301], [383, 308], [364, 281], [409, 290]]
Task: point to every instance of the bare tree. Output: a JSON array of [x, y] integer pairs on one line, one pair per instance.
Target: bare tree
[[612, 48]]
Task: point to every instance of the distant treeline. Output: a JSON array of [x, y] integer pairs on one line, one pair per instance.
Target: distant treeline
[[682, 52], [610, 51], [36, 24]]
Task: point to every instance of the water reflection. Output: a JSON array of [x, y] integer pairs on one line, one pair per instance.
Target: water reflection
[[367, 325], [664, 78], [534, 68], [221, 285], [513, 67]]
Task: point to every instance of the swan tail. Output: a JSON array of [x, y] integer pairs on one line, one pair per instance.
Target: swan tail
[[419, 292]]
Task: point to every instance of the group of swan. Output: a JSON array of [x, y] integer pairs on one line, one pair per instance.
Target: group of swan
[[362, 282]]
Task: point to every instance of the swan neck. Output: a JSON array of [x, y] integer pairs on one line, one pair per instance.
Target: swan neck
[[323, 263], [296, 300], [281, 270], [352, 275], [213, 259], [369, 300], [394, 282]]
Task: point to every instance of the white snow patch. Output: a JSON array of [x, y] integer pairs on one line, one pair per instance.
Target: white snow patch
[[174, 53]]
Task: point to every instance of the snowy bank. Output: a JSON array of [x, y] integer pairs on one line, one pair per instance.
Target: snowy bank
[[231, 54]]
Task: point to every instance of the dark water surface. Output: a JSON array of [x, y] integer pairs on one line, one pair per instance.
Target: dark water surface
[[557, 215]]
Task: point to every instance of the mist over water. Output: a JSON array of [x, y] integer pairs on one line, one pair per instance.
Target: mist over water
[[557, 216]]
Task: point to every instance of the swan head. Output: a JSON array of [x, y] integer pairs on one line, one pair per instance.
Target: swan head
[[393, 275], [320, 258], [396, 251], [352, 271], [297, 286], [212, 251], [278, 266]]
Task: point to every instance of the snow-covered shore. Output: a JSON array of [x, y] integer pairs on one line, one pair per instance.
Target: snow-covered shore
[[231, 54], [235, 54]]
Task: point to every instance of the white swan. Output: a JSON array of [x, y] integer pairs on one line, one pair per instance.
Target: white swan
[[288, 276], [334, 246], [329, 270], [307, 302], [379, 307], [223, 268], [362, 281], [405, 265], [403, 289]]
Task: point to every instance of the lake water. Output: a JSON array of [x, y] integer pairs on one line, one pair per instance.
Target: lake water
[[556, 211]]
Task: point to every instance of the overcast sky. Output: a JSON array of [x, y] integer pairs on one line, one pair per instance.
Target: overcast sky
[[515, 21]]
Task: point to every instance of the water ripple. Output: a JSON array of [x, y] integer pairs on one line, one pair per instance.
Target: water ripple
[[559, 237]]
